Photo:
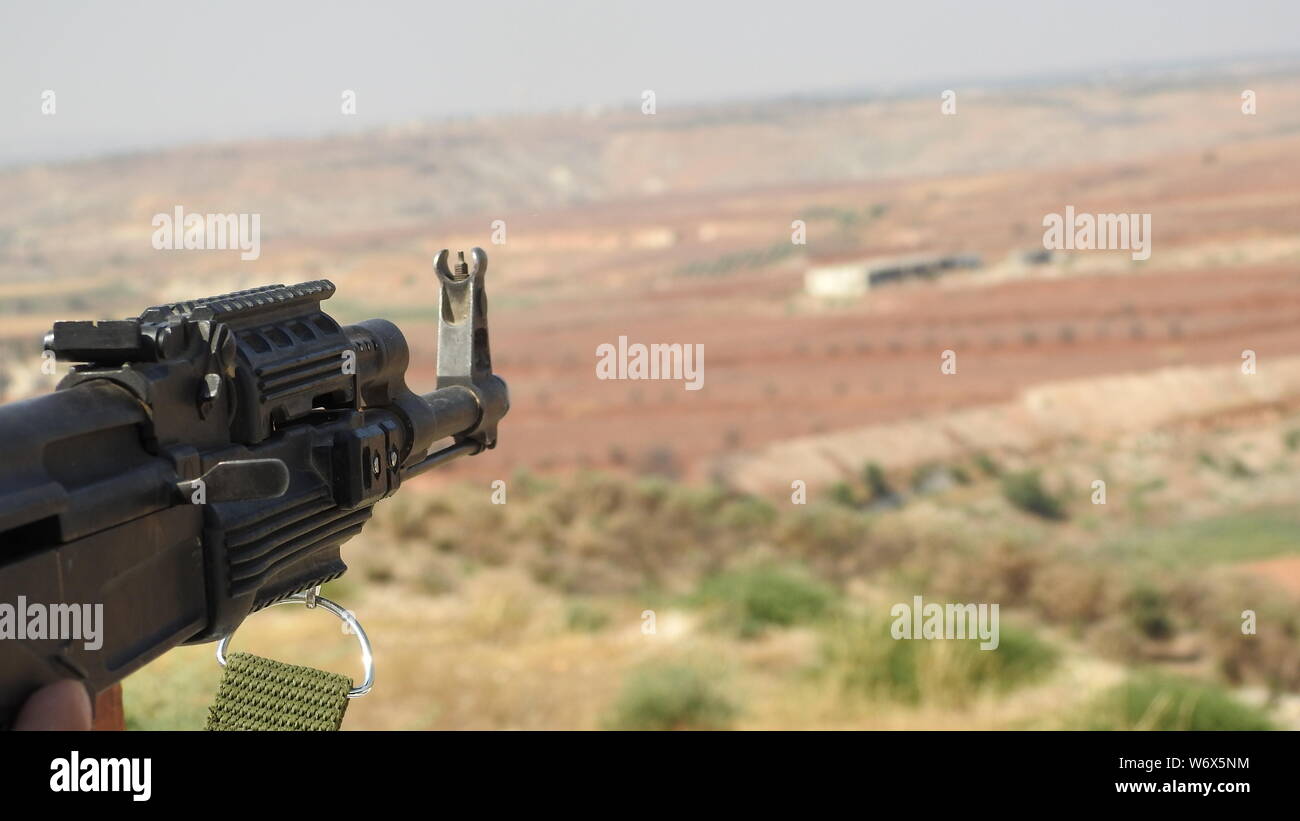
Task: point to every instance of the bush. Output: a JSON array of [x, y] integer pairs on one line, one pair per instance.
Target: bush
[[1238, 469], [1292, 439], [746, 514], [868, 661], [1025, 490], [1073, 593], [842, 493], [1020, 658], [1159, 702], [986, 465], [1148, 609], [672, 697], [584, 618], [877, 485], [1270, 656], [749, 601]]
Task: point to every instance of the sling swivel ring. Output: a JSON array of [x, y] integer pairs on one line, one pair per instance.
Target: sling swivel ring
[[311, 599]]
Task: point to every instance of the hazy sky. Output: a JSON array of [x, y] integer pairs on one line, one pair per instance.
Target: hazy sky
[[141, 74]]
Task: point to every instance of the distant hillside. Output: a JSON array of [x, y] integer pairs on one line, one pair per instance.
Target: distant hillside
[[94, 217]]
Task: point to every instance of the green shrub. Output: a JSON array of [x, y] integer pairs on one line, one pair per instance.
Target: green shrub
[[671, 697], [877, 485], [1292, 439], [746, 514], [867, 660], [986, 465], [584, 618], [749, 601], [1160, 702], [829, 539], [1238, 469], [842, 493], [1025, 490], [1148, 609], [1020, 658]]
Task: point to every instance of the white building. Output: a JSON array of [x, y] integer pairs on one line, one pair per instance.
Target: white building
[[855, 276]]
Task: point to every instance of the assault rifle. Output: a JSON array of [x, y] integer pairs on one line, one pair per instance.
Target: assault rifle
[[208, 459]]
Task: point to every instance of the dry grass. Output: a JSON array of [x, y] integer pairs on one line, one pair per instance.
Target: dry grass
[[530, 615]]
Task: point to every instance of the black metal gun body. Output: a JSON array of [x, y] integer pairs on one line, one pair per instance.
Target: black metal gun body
[[208, 459]]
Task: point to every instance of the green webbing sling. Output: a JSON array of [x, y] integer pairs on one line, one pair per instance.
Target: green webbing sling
[[261, 694]]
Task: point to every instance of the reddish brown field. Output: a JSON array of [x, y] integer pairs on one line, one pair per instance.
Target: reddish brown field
[[679, 231], [779, 366]]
